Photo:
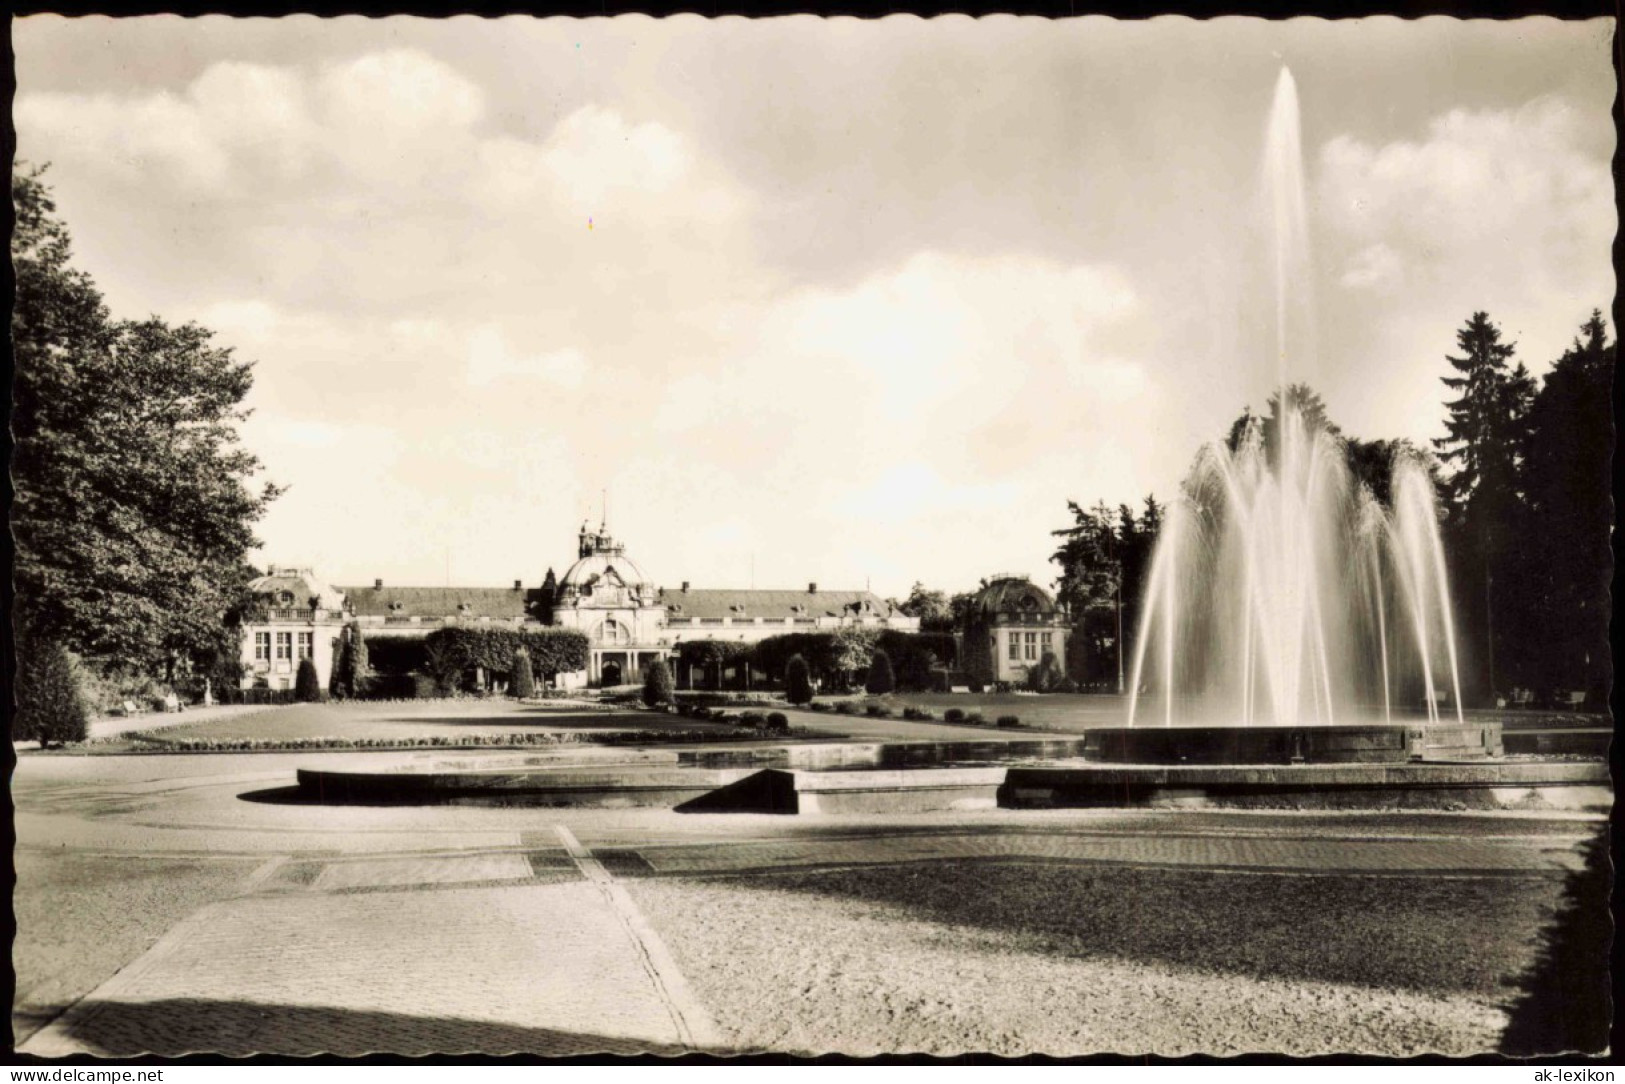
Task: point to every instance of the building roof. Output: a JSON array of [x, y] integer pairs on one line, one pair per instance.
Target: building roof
[[300, 584], [1013, 595], [497, 603], [774, 605], [592, 568]]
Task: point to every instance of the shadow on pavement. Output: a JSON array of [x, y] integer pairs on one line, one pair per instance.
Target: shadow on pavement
[[294, 795], [1565, 1005], [1443, 936], [237, 1029]]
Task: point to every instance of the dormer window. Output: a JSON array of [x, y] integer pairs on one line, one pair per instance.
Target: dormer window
[[463, 607], [285, 597], [395, 607]]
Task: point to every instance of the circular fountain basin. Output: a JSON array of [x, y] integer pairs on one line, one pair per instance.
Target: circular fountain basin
[[1358, 743]]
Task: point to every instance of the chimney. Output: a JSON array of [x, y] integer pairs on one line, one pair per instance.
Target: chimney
[[685, 587], [270, 570], [812, 589], [377, 585], [516, 585]]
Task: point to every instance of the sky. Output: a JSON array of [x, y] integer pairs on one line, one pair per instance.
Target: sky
[[860, 303]]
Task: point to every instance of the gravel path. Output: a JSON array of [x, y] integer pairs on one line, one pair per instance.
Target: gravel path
[[1023, 958], [80, 918]]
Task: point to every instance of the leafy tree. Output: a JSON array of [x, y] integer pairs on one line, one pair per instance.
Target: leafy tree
[[524, 678], [959, 609], [931, 607], [797, 681], [851, 650], [880, 675], [657, 685], [50, 704], [133, 511], [307, 686], [1487, 429]]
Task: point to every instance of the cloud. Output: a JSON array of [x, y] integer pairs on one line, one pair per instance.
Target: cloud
[[1509, 211], [1489, 190], [490, 360]]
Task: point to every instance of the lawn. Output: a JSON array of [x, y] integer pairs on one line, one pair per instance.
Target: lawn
[[429, 719], [1070, 712]]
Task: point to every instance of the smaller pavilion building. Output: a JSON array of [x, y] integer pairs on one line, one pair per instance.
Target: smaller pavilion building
[[1012, 623]]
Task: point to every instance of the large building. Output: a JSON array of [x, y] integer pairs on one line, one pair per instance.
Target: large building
[[627, 619]]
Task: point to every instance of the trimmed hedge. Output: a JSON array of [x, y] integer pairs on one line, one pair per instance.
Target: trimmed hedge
[[954, 715], [1009, 720], [917, 714], [453, 651]]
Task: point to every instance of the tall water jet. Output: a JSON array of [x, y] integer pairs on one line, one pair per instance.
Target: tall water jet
[[1282, 591]]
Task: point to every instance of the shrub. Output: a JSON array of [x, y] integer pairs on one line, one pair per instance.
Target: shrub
[[880, 680], [778, 722], [954, 715], [975, 718], [751, 718], [797, 681], [917, 714], [1044, 677], [976, 687], [105, 692], [50, 705], [1067, 685], [816, 706], [657, 685], [307, 687], [524, 678], [877, 711], [846, 707], [1009, 720]]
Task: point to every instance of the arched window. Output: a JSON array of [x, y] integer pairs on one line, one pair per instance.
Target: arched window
[[613, 632]]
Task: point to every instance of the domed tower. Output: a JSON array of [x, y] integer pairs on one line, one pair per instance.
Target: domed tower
[[1011, 625], [606, 595]]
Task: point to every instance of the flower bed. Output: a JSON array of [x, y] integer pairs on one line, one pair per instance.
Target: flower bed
[[157, 742]]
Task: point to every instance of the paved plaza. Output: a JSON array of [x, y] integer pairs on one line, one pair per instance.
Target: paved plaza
[[204, 913]]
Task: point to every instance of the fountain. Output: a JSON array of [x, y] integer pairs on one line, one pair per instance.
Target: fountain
[[1289, 614]]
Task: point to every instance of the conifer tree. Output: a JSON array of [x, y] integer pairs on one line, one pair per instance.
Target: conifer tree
[[307, 687], [657, 684], [524, 677], [880, 680], [797, 681]]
